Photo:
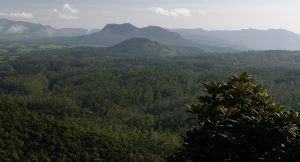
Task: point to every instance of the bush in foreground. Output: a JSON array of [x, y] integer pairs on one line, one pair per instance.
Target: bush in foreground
[[239, 121]]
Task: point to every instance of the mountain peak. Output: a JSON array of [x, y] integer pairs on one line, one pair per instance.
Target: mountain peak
[[119, 28]]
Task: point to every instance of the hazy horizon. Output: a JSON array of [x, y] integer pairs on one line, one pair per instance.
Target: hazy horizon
[[209, 15]]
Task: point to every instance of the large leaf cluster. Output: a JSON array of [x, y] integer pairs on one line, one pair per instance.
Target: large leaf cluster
[[239, 121]]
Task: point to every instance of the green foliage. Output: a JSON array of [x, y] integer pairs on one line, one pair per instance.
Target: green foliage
[[129, 104], [239, 121], [6, 68], [26, 136], [24, 84], [111, 103]]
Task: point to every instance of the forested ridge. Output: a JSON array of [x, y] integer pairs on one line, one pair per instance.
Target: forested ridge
[[100, 104]]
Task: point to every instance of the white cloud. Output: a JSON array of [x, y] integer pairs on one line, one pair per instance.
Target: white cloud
[[25, 15], [68, 9], [17, 29], [54, 11], [67, 12], [68, 17], [177, 12]]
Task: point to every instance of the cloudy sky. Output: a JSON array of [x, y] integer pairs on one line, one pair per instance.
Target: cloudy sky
[[207, 14]]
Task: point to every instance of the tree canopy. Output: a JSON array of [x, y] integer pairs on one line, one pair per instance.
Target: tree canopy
[[104, 105], [239, 121]]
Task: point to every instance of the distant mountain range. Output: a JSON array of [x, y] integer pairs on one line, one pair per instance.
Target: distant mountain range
[[271, 39], [113, 34], [21, 30]]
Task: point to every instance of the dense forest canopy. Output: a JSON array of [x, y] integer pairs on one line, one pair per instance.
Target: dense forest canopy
[[62, 103]]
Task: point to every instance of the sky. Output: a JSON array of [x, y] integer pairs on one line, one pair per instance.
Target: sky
[[206, 14]]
